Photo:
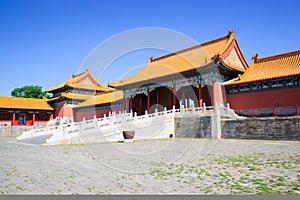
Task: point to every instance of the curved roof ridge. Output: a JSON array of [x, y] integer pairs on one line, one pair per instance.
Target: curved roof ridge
[[72, 82], [277, 56], [231, 38], [230, 33], [180, 61], [76, 75], [270, 68]]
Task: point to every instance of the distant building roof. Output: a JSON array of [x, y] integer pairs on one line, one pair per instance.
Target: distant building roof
[[272, 67], [69, 95], [24, 103], [81, 81], [185, 60], [103, 98]]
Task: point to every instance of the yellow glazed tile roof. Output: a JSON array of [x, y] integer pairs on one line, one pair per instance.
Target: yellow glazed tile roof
[[53, 99], [272, 67], [70, 95], [102, 99], [72, 82], [24, 103], [184, 60], [76, 96]]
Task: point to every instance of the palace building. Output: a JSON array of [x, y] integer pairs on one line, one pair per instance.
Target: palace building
[[270, 87], [16, 111], [100, 105], [211, 73], [186, 78], [76, 90]]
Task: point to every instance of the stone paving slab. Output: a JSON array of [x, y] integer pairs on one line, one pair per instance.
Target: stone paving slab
[[172, 166], [33, 141]]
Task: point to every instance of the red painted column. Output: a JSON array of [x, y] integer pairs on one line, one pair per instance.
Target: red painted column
[[200, 99], [174, 95], [148, 101], [140, 104], [13, 119], [130, 103], [297, 110], [51, 116], [33, 119], [157, 97]]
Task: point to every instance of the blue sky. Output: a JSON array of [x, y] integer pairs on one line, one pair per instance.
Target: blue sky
[[44, 42]]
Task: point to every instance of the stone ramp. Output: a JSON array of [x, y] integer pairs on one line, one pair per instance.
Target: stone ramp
[[33, 141], [157, 125]]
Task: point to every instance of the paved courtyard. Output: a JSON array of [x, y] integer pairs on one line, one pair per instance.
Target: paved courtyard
[[175, 166]]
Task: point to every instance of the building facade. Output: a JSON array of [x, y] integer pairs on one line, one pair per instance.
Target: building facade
[[77, 89], [24, 111], [270, 87], [214, 72], [186, 78], [100, 105]]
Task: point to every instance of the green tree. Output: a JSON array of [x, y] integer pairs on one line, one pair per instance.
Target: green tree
[[29, 91]]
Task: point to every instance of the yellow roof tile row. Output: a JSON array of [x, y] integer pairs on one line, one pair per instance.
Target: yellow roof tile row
[[71, 96], [24, 103], [72, 82], [185, 60], [76, 96], [273, 67], [102, 99]]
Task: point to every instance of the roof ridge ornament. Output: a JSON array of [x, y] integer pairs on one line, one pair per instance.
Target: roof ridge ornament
[[230, 32], [216, 57], [151, 59], [255, 57]]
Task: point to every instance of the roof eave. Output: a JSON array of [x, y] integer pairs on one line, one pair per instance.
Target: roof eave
[[120, 87], [228, 66], [260, 80]]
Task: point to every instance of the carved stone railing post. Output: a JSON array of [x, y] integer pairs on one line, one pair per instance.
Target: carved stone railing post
[[216, 123]]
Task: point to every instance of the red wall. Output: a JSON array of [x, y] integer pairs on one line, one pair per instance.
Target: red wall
[[29, 119], [78, 116], [64, 111], [265, 99]]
